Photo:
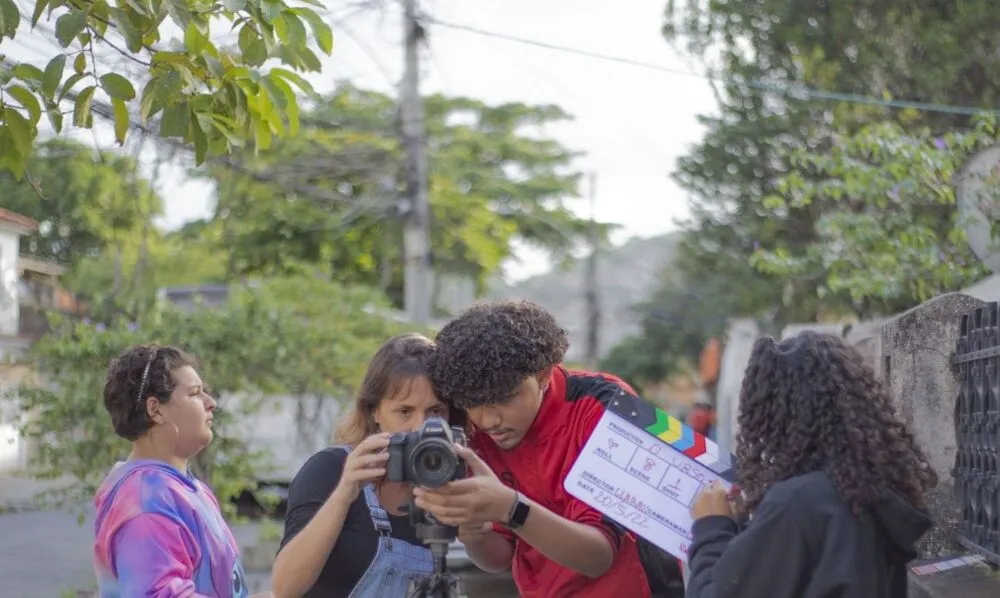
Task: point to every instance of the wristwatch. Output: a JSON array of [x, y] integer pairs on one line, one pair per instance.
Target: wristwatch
[[518, 512]]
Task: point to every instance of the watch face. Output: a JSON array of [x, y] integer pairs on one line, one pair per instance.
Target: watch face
[[519, 514]]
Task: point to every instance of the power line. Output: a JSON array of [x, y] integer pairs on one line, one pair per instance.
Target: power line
[[787, 88]]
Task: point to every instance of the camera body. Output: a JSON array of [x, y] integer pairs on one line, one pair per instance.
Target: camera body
[[425, 457]]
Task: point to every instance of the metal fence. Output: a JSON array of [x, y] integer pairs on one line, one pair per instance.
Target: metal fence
[[977, 430]]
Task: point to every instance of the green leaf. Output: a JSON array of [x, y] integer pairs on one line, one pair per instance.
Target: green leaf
[[55, 117], [133, 39], [53, 75], [82, 115], [310, 60], [70, 25], [262, 135], [68, 85], [21, 131], [176, 120], [234, 5], [117, 86], [10, 18], [28, 100], [256, 53], [80, 64], [37, 14], [28, 72], [289, 102], [121, 120], [195, 41], [321, 31], [169, 58], [200, 142], [295, 79]]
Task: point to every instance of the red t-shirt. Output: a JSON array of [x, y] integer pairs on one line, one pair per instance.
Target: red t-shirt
[[538, 466]]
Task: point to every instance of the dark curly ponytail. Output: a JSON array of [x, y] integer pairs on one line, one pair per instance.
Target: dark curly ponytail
[[810, 403]]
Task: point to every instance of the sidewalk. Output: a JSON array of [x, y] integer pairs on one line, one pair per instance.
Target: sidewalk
[[18, 493]]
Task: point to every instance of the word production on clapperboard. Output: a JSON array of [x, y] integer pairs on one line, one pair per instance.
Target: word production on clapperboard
[[643, 468]]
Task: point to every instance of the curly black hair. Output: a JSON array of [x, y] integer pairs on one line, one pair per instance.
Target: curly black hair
[[487, 352], [811, 403], [140, 372]]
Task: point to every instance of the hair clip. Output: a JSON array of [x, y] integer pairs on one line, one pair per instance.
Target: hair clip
[[145, 375]]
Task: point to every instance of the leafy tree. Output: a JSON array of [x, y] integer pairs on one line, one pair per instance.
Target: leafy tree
[[301, 336], [331, 197], [212, 96], [890, 231], [868, 49], [85, 201]]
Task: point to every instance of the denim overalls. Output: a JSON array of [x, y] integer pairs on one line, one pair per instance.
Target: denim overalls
[[396, 562]]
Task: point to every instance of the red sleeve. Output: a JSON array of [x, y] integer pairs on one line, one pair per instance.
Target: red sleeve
[[587, 411]]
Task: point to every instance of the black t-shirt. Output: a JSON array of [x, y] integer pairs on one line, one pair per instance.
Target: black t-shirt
[[358, 540]]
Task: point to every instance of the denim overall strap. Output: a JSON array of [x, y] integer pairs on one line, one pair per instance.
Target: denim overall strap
[[396, 563], [380, 517]]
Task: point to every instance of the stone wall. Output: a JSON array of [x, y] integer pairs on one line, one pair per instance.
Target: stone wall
[[916, 350]]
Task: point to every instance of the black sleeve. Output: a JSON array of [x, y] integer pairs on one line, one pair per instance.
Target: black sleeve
[[769, 559], [310, 488]]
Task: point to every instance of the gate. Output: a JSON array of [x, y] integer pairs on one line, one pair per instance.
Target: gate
[[977, 430]]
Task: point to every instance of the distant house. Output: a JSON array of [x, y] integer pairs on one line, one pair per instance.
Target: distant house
[[12, 228], [28, 288]]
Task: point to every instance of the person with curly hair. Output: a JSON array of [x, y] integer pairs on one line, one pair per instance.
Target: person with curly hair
[[501, 363], [832, 479], [159, 531]]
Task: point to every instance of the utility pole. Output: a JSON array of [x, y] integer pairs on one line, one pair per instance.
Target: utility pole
[[418, 276], [593, 305]]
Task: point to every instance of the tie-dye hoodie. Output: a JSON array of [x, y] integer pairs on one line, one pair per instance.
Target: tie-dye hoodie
[[160, 534]]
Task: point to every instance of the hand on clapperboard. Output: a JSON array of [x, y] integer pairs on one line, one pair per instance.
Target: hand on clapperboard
[[716, 500]]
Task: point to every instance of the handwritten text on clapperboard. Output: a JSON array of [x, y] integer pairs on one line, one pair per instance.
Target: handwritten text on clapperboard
[[640, 482]]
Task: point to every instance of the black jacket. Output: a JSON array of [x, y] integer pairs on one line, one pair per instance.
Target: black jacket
[[804, 542]]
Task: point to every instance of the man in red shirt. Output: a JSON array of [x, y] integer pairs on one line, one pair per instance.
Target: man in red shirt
[[501, 363]]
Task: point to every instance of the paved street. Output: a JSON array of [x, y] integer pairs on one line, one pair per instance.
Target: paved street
[[46, 554]]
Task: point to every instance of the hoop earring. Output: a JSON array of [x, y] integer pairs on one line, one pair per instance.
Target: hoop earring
[[176, 441]]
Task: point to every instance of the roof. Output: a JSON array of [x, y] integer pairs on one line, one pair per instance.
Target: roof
[[17, 221]]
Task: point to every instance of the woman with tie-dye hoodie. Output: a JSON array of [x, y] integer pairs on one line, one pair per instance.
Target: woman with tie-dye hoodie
[[159, 531]]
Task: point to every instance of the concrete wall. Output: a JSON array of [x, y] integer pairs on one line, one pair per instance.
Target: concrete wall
[[10, 242], [916, 364], [740, 338]]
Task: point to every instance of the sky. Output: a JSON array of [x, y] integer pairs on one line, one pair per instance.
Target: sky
[[631, 122]]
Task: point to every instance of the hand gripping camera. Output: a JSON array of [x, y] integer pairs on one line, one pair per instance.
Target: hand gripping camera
[[426, 457]]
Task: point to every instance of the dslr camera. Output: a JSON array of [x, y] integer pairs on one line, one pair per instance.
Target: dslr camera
[[426, 457]]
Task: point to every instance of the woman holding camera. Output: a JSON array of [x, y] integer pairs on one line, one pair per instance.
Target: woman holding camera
[[345, 532]]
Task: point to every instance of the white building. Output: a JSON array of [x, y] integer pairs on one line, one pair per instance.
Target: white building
[[12, 228]]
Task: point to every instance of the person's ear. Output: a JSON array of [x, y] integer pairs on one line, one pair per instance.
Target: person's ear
[[153, 410], [544, 377]]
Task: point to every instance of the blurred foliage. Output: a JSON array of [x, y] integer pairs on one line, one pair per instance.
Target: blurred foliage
[[767, 52], [84, 201], [675, 322], [298, 337], [770, 230], [331, 197], [890, 229], [213, 97]]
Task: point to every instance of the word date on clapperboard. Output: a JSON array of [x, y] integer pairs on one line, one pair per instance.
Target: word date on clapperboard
[[643, 468]]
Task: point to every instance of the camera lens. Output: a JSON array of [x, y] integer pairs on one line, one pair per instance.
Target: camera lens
[[433, 463]]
